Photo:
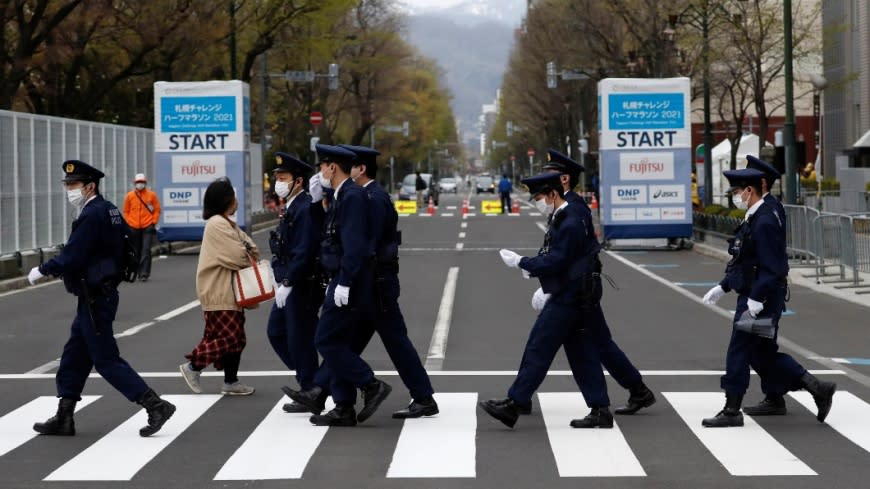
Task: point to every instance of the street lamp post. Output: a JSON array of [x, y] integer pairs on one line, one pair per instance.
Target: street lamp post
[[791, 176]]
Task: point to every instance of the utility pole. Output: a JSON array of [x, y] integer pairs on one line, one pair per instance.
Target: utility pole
[[233, 62], [708, 129], [788, 128]]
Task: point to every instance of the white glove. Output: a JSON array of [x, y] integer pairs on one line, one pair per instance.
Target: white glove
[[315, 188], [510, 258], [539, 299], [34, 275], [281, 296], [713, 295], [526, 274], [754, 307], [340, 295]]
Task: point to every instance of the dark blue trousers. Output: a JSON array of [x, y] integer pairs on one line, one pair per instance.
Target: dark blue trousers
[[291, 333], [334, 340], [390, 326], [85, 350], [557, 326], [779, 372]]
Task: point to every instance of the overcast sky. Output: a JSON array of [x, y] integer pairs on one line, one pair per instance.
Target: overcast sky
[[429, 3]]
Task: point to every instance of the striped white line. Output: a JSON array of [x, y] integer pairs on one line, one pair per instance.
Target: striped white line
[[447, 214], [463, 225], [748, 450], [848, 415], [470, 214], [535, 214], [542, 226], [122, 453], [279, 448], [177, 311], [440, 446], [459, 246], [611, 456], [451, 207], [16, 427], [438, 345], [461, 235]]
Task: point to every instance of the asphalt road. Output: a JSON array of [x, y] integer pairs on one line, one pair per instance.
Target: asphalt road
[[472, 350]]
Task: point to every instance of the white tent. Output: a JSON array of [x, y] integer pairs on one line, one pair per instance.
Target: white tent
[[749, 145]]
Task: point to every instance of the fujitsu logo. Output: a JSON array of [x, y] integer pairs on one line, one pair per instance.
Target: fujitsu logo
[[197, 168], [645, 166]]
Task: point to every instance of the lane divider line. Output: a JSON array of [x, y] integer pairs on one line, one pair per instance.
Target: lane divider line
[[438, 345]]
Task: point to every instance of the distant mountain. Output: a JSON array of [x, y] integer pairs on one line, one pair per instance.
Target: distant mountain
[[474, 55]]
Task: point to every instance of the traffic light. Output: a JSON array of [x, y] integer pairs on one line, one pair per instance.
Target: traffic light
[[552, 78], [333, 76]]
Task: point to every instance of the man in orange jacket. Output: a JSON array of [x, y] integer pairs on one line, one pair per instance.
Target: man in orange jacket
[[142, 213]]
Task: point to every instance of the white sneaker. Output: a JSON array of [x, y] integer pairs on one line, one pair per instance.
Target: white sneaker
[[191, 377], [237, 389]]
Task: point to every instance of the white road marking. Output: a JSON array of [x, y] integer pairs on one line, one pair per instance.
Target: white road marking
[[440, 446], [749, 450], [535, 214], [461, 235], [447, 214], [177, 311], [611, 457], [451, 207], [542, 226], [463, 225], [848, 415], [16, 427], [438, 345], [279, 448], [440, 373], [469, 214], [122, 453], [459, 246]]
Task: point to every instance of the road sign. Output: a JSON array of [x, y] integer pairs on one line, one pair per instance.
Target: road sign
[[406, 206], [531, 152], [316, 118], [490, 206]]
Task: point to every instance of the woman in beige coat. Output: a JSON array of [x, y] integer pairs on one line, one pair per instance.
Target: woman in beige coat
[[225, 248]]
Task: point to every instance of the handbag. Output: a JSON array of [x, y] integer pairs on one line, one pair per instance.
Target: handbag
[[254, 284]]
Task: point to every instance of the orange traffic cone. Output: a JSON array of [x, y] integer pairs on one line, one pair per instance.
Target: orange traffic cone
[[464, 206], [515, 209], [431, 209]]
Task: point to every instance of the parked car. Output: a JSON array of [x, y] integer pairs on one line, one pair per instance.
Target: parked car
[[448, 185], [485, 184], [408, 190]]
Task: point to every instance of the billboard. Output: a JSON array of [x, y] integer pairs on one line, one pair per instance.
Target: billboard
[[646, 157], [202, 132]]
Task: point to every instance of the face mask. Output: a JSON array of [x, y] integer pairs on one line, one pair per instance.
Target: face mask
[[739, 202], [282, 189], [140, 186], [543, 207], [324, 182], [75, 197]]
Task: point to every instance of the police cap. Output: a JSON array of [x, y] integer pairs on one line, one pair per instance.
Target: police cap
[[79, 171], [285, 162], [334, 154], [543, 182], [364, 154], [562, 163], [743, 178], [770, 173]]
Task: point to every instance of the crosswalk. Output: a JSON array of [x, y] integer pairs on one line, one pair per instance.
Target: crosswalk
[[281, 446]]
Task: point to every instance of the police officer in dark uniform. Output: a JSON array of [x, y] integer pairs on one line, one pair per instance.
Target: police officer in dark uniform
[[91, 264], [347, 256], [294, 246], [757, 272], [568, 302], [385, 315], [612, 357]]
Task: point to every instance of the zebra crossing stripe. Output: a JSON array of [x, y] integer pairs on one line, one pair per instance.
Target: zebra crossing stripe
[[119, 455], [279, 448], [848, 415], [746, 451], [440, 446], [585, 452], [16, 427]]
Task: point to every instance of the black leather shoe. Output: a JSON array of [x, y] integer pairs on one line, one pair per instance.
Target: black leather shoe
[[159, 412], [725, 418], [418, 409], [769, 406], [524, 410], [339, 416], [313, 399], [598, 417], [637, 400], [61, 424], [373, 395], [823, 394], [295, 407], [504, 410]]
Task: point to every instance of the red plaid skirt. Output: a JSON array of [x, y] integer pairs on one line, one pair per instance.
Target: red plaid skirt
[[224, 333]]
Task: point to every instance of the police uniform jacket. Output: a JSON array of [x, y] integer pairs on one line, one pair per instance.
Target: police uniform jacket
[[94, 250], [568, 254], [347, 245], [759, 263], [384, 223], [295, 243]]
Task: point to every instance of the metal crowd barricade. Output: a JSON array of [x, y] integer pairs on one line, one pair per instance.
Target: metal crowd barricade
[[801, 236]]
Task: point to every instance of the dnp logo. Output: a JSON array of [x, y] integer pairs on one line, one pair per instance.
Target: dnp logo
[[181, 197], [628, 194]]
